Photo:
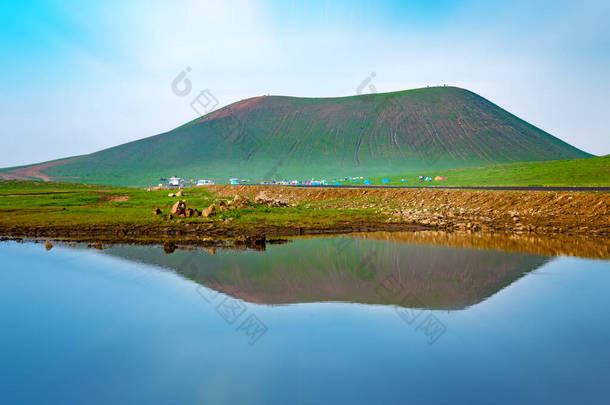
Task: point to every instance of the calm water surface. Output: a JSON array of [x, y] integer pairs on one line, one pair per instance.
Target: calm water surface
[[325, 320]]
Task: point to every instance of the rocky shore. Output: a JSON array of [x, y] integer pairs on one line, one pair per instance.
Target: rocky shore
[[465, 210]]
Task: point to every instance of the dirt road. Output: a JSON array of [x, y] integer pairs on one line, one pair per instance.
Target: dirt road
[[32, 172]]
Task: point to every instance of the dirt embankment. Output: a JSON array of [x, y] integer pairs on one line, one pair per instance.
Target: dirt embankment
[[472, 210]]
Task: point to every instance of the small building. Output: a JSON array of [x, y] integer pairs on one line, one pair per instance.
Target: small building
[[234, 181]]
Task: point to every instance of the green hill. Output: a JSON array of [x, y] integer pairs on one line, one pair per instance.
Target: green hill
[[287, 137], [593, 172]]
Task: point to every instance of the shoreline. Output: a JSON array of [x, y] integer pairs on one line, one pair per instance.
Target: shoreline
[[191, 234], [90, 213]]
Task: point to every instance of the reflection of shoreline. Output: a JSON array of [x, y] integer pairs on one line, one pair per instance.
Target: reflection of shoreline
[[591, 247], [548, 245]]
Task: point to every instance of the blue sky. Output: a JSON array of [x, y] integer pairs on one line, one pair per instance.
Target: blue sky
[[77, 76]]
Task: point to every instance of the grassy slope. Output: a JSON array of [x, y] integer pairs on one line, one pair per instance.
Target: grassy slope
[[287, 137], [577, 172]]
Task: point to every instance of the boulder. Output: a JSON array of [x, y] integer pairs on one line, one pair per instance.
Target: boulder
[[261, 198], [157, 211], [190, 212], [179, 194], [171, 195], [264, 199], [209, 212], [239, 202], [179, 208], [256, 242], [222, 205], [169, 247]]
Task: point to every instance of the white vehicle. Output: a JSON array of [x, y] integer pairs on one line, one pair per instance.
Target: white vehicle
[[204, 182], [175, 181]]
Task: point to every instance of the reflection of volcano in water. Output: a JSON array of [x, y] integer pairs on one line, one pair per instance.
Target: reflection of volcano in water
[[348, 269]]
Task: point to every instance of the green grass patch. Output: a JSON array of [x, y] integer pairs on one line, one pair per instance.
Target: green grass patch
[[591, 172], [30, 203]]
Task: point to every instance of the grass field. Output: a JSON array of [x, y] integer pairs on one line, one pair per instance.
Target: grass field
[[592, 172], [34, 203]]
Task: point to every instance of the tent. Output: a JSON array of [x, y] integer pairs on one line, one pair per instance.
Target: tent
[[385, 181], [367, 181]]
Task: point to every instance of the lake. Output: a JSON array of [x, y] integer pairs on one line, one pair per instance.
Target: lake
[[360, 319]]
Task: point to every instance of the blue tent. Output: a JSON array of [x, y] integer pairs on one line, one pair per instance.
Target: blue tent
[[385, 181], [367, 181]]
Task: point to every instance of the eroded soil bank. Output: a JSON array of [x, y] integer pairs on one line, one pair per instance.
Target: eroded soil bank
[[476, 210]]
